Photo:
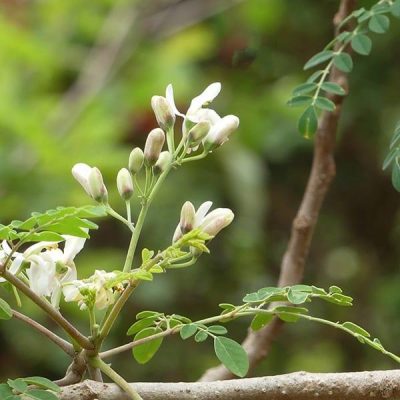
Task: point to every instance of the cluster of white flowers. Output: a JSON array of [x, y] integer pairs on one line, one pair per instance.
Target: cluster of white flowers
[[200, 124], [46, 266], [50, 271]]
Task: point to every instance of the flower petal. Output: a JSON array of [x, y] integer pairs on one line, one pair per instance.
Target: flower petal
[[177, 234], [201, 212], [42, 276], [208, 95], [169, 95], [73, 245], [38, 247]]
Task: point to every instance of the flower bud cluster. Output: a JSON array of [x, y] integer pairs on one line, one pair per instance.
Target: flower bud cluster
[[201, 125], [211, 223]]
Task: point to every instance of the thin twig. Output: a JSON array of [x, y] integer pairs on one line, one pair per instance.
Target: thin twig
[[135, 343], [49, 309], [63, 344], [257, 344]]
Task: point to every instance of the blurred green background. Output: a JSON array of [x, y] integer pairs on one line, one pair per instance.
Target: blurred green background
[[76, 81]]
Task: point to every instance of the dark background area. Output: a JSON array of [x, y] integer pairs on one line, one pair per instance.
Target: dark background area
[[256, 48]]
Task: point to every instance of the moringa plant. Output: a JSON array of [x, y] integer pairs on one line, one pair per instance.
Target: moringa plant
[[37, 255], [37, 259]]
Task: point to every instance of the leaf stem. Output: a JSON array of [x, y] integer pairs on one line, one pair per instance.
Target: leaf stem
[[96, 362], [119, 217], [194, 158]]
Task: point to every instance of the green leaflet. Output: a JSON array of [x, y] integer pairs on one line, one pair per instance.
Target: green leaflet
[[232, 355], [308, 122], [5, 310], [146, 351]]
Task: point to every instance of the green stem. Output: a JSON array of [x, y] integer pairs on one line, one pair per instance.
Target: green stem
[[135, 237], [170, 140], [333, 324], [194, 158], [96, 362], [146, 184], [92, 320], [117, 307], [128, 211], [183, 265], [241, 311], [119, 217], [137, 186], [176, 329]]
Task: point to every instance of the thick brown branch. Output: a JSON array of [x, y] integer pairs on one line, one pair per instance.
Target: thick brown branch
[[323, 170], [75, 371], [377, 385]]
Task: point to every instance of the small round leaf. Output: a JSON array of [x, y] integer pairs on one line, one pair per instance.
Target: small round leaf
[[343, 62], [361, 44]]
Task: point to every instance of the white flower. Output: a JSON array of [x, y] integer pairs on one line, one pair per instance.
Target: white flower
[[92, 290], [211, 223], [196, 112], [51, 268], [17, 259], [221, 128]]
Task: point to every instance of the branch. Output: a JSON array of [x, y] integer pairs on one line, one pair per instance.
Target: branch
[[138, 342], [54, 314], [257, 344], [63, 344], [376, 385], [75, 371]]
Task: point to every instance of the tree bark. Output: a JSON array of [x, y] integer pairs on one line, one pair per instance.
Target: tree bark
[[376, 385], [257, 344]]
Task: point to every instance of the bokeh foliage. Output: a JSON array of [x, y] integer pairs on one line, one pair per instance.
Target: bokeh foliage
[[257, 50]]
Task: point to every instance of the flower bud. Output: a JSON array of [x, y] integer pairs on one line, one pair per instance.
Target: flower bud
[[96, 185], [164, 114], [81, 173], [153, 146], [216, 220], [220, 132], [177, 234], [136, 160], [163, 161], [198, 133], [125, 184], [188, 217]]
